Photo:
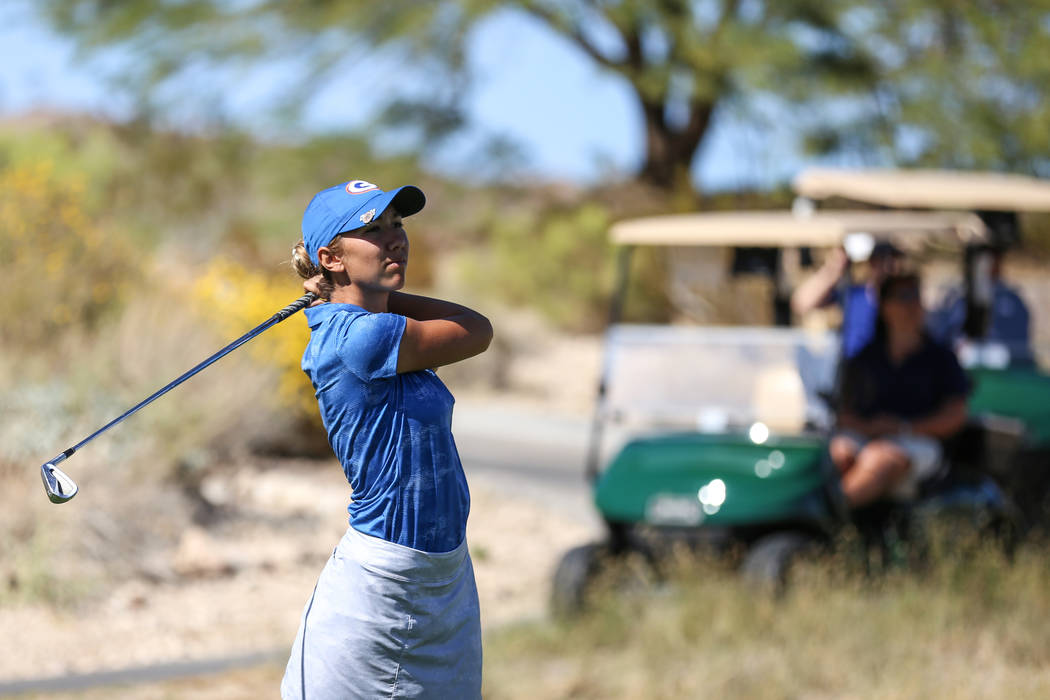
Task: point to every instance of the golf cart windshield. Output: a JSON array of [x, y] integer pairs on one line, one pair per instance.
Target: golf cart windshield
[[716, 380]]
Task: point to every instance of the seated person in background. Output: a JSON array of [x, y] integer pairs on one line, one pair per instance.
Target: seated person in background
[[900, 396], [859, 302], [1008, 317]]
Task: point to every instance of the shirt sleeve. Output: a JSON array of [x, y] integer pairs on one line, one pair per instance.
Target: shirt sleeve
[[834, 297], [369, 345]]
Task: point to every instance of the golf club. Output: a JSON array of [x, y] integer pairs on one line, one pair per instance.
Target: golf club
[[60, 488]]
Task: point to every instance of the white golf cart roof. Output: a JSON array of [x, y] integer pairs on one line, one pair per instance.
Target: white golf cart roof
[[775, 229], [928, 189]]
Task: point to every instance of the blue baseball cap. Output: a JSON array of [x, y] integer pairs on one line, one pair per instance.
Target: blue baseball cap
[[350, 206]]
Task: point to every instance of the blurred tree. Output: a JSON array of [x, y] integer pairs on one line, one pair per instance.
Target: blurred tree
[[915, 81], [960, 84]]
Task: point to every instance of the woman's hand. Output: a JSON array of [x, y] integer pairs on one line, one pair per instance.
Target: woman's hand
[[313, 285], [884, 424], [874, 427]]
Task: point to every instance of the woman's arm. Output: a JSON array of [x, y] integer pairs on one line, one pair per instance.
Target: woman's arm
[[871, 427], [437, 332], [945, 422], [817, 289]]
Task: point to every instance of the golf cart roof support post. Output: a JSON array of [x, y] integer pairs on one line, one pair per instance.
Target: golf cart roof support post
[[780, 296], [977, 284], [616, 306]]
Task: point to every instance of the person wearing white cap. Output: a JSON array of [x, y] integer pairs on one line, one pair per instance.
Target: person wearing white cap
[[831, 284], [395, 611]]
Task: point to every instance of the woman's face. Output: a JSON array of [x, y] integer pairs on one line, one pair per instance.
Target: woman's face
[[902, 308], [376, 255]]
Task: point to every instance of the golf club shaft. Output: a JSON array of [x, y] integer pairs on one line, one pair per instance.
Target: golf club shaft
[[284, 313]]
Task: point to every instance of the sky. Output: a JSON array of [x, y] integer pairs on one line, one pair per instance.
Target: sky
[[573, 121]]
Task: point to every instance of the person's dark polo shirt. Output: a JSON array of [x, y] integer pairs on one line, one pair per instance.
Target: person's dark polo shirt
[[918, 387]]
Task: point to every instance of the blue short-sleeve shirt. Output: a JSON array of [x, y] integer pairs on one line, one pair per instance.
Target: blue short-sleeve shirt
[[391, 432], [860, 311], [1009, 321]]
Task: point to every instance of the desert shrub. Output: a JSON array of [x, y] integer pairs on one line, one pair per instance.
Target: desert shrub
[[58, 267], [236, 299]]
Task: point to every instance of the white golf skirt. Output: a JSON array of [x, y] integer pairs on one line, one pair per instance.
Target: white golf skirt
[[388, 621]]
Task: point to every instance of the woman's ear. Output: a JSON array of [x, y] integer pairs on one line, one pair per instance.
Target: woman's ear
[[329, 260]]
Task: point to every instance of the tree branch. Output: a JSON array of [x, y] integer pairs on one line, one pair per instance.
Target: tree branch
[[571, 31]]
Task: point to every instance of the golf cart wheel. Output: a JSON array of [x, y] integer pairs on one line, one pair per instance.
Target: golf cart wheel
[[769, 560], [573, 578]]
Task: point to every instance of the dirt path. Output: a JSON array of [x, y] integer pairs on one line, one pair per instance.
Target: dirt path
[[238, 589]]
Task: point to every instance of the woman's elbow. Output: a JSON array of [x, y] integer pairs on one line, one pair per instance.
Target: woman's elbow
[[483, 333]]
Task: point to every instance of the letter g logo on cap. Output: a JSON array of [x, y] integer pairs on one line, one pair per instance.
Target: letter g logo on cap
[[360, 187]]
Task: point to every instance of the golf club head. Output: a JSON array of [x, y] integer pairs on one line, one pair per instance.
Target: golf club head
[[60, 488]]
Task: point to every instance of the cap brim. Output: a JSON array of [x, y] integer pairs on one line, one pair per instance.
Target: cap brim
[[407, 200]]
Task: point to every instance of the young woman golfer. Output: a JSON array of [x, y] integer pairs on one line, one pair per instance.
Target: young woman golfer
[[395, 610]]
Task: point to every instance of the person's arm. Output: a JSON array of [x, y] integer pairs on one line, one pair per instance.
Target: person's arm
[[871, 427], [817, 290], [943, 423], [437, 332]]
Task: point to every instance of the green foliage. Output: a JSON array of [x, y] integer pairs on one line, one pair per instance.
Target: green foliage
[[960, 85], [60, 268], [178, 43], [913, 81]]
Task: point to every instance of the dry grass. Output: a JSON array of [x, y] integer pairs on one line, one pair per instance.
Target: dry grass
[[972, 627]]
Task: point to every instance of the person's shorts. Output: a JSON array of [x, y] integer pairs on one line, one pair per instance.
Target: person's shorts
[[924, 454]]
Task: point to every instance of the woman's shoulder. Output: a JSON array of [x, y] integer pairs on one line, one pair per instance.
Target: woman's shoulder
[[349, 318], [365, 342]]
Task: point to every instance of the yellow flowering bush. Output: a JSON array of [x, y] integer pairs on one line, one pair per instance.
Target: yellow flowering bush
[[59, 269], [236, 299]]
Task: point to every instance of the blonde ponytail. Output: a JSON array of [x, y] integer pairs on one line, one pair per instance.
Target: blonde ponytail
[[306, 269]]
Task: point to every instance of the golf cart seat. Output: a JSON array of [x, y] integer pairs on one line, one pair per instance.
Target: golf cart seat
[[779, 399]]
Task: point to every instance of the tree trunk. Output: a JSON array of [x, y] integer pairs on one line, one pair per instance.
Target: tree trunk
[[670, 152]]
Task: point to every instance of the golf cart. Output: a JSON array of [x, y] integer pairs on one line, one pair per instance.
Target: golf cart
[[1011, 393], [716, 437]]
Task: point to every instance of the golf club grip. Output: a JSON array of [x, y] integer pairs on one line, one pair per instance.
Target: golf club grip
[[297, 305]]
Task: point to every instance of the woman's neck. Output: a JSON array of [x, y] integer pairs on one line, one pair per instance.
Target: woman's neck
[[902, 343], [369, 300]]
